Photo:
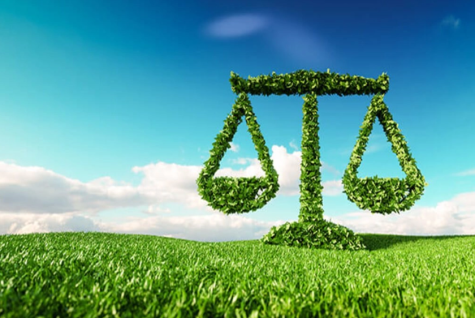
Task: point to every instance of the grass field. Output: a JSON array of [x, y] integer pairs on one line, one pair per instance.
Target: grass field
[[117, 275]]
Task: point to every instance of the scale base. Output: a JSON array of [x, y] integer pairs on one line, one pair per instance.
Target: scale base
[[321, 234]]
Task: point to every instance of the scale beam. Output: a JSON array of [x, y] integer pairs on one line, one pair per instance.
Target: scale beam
[[306, 82]]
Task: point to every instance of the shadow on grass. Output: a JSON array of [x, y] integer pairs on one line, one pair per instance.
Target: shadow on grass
[[375, 242], [382, 241]]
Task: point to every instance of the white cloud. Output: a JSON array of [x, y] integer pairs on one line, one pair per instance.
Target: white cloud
[[234, 147], [38, 190], [444, 219], [211, 228], [34, 199], [34, 223]]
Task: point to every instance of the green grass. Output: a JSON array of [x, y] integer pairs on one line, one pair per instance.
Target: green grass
[[117, 275]]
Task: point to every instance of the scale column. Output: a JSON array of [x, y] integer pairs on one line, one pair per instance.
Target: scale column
[[311, 201]]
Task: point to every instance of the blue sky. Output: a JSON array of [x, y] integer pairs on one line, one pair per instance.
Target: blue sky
[[108, 110]]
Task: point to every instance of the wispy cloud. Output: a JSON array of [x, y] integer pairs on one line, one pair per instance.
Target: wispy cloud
[[290, 38], [375, 144], [293, 145], [451, 21], [34, 199], [236, 25], [465, 173]]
